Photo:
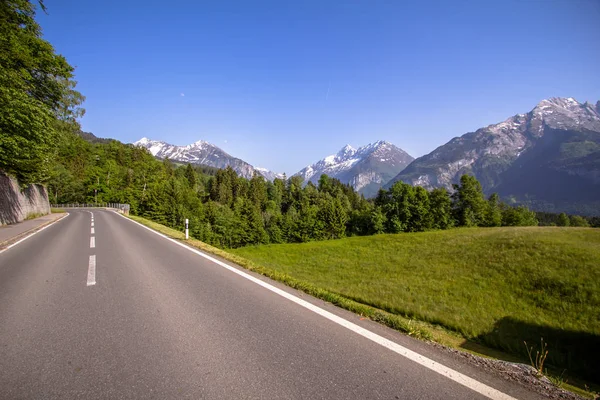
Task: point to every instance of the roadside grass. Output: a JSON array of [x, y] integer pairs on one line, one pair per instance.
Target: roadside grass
[[57, 210], [33, 216], [483, 290], [500, 286]]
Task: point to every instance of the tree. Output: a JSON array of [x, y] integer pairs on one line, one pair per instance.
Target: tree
[[576, 220], [398, 207], [378, 220], [440, 207], [333, 216], [468, 202], [420, 217], [493, 213], [190, 175], [37, 95], [258, 191], [518, 216], [563, 220]]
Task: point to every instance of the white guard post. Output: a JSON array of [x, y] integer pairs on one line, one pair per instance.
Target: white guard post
[[187, 235]]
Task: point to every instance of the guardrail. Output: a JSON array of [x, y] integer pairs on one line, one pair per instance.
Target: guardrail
[[122, 208]]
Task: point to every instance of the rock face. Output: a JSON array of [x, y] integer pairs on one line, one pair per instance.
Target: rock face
[[204, 153], [17, 204], [548, 158], [367, 168]]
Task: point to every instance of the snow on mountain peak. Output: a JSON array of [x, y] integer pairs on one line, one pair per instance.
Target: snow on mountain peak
[[365, 168], [205, 153], [564, 113], [558, 102]]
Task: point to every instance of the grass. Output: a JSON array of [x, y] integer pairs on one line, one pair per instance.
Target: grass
[[32, 216], [498, 287], [464, 279], [56, 210], [484, 290]]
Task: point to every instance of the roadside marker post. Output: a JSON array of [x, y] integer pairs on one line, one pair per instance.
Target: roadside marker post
[[186, 229]]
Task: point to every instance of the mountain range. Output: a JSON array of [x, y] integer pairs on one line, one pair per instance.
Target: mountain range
[[204, 153], [367, 168], [548, 159]]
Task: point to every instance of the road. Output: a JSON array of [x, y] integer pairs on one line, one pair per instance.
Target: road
[[156, 320]]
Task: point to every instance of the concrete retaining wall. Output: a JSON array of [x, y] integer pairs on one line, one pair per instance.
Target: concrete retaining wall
[[16, 203]]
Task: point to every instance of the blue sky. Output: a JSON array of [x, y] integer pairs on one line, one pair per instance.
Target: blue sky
[[282, 84]]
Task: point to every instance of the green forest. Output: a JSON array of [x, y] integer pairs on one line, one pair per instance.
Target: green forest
[[41, 142]]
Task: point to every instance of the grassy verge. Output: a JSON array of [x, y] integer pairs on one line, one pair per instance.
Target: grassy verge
[[482, 290], [56, 211], [33, 216]]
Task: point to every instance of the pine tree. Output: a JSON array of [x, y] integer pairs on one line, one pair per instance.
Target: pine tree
[[190, 175]]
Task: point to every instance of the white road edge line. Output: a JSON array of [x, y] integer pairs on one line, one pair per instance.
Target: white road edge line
[[92, 231], [91, 277], [92, 242], [28, 236], [441, 369]]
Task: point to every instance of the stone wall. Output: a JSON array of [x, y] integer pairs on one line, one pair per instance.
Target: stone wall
[[16, 203]]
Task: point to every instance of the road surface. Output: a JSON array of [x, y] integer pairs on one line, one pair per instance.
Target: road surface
[[98, 307]]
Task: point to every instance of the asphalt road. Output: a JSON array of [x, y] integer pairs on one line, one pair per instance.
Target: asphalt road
[[163, 322]]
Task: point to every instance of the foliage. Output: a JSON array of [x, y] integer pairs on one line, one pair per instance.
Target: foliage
[[469, 205], [37, 95], [563, 220]]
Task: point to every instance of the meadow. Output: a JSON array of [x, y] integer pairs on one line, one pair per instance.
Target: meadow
[[496, 286]]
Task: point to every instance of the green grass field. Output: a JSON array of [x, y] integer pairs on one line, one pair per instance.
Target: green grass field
[[498, 286]]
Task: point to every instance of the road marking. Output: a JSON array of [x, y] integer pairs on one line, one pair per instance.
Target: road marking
[[92, 231], [441, 369], [91, 278], [92, 222], [30, 235], [92, 242]]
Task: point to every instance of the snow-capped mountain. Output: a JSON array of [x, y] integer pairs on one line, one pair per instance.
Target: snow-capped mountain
[[205, 153], [366, 168], [548, 158]]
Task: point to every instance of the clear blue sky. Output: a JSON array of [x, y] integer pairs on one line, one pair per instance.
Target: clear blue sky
[[282, 84]]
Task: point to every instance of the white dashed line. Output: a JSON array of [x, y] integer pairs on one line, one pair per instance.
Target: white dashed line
[[91, 278], [92, 231], [92, 242]]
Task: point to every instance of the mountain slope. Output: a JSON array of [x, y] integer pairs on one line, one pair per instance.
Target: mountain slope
[[548, 158], [204, 153], [366, 168]]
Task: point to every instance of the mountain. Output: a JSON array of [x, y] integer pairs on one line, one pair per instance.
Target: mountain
[[548, 158], [366, 168], [203, 153]]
